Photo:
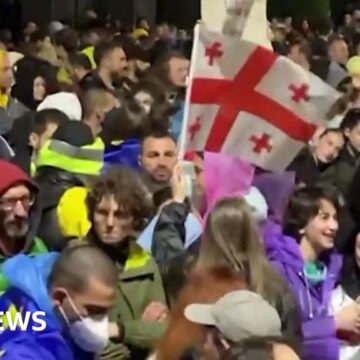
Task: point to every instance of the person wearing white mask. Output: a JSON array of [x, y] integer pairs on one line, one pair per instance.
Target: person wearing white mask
[[64, 301]]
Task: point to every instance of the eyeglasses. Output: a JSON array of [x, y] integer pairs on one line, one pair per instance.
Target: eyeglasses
[[9, 204]]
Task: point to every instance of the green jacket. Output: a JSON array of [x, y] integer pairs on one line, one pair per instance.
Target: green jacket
[[140, 285], [37, 247]]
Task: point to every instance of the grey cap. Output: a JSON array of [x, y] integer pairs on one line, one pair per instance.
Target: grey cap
[[238, 315]]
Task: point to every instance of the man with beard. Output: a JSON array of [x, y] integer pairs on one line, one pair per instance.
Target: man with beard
[[172, 69], [18, 215], [110, 59], [158, 158]]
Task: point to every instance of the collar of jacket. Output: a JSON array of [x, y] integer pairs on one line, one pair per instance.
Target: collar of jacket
[[138, 263]]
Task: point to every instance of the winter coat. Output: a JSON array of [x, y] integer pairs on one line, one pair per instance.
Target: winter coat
[[341, 173], [175, 245], [306, 169], [28, 291], [18, 139], [139, 285], [53, 183], [318, 325], [170, 233]]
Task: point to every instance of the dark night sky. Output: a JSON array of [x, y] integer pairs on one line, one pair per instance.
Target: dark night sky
[[184, 13]]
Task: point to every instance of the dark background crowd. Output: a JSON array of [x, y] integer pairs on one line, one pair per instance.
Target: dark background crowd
[[132, 253]]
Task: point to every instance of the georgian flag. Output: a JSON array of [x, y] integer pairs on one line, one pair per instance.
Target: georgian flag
[[245, 100]]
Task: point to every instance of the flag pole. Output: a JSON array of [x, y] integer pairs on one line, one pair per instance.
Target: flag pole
[[183, 137]]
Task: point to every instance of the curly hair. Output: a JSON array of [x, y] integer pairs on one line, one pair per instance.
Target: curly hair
[[128, 191]]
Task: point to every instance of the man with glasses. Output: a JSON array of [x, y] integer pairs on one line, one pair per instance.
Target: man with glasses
[[18, 215]]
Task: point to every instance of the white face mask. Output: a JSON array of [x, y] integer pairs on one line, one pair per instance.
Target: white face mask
[[90, 334]]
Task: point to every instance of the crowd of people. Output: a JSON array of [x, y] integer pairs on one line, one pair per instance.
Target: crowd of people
[[132, 253]]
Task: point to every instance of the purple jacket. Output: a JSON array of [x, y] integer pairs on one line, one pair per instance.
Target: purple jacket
[[318, 326]]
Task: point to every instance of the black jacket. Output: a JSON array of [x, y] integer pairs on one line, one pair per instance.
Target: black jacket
[[340, 174], [169, 233], [53, 183], [19, 140], [168, 248], [92, 81], [307, 170]]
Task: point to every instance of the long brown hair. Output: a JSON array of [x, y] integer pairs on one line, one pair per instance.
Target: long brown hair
[[231, 239]]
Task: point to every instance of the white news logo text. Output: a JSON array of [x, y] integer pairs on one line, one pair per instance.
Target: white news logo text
[[15, 321]]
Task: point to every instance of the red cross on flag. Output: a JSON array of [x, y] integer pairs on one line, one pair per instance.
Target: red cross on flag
[[245, 100]]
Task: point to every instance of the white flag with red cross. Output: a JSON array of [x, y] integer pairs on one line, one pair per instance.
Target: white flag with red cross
[[245, 100]]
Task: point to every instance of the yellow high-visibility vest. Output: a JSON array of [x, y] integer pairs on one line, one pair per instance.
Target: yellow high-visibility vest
[[85, 160]]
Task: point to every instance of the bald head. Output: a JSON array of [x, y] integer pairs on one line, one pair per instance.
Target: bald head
[[75, 268]]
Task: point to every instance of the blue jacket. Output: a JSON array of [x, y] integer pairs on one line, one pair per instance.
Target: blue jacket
[[28, 292], [123, 153]]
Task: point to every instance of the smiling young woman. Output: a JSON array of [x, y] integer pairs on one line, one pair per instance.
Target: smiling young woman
[[303, 252]]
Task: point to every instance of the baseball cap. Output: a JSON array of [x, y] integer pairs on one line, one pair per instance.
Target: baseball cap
[[238, 315]]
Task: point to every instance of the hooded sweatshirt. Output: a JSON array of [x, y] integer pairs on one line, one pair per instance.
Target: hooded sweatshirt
[[12, 175], [28, 278], [318, 326]]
